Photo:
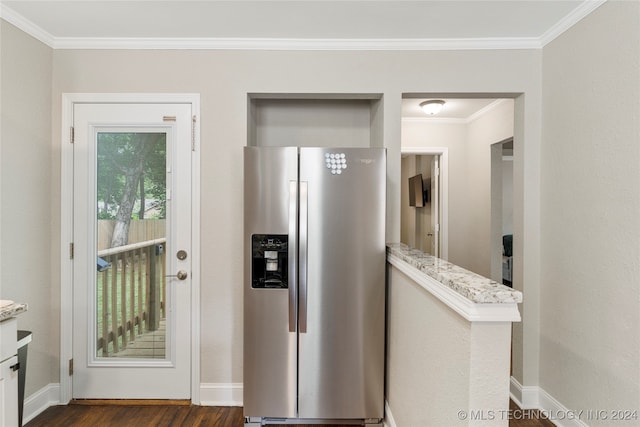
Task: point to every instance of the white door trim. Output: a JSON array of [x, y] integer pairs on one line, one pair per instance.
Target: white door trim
[[66, 227], [443, 152]]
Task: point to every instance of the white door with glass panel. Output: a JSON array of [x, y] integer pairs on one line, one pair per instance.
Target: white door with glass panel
[[132, 248]]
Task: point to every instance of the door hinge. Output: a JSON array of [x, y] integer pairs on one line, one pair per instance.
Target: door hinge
[[193, 133], [436, 228], [437, 171], [72, 135], [71, 248], [70, 366]]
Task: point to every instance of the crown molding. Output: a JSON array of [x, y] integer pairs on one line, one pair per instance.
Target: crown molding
[[481, 112], [25, 25], [295, 44], [585, 8]]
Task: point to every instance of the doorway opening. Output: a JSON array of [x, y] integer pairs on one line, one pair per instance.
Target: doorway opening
[[424, 225], [465, 128], [116, 294], [479, 130], [502, 212]]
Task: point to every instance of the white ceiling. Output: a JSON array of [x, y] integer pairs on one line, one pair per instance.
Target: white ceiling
[[304, 24], [462, 110]]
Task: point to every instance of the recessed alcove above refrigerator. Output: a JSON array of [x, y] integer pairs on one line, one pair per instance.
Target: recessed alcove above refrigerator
[[314, 120]]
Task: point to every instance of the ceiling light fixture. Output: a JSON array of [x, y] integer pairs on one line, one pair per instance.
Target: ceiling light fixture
[[432, 107]]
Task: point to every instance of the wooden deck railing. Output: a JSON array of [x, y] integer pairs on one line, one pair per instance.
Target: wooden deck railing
[[131, 293]]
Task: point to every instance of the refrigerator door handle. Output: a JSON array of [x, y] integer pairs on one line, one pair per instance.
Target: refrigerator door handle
[[302, 253], [293, 252]]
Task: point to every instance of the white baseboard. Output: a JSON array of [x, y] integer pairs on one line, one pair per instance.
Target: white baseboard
[[559, 414], [515, 392], [534, 397], [526, 397], [388, 416], [36, 403], [221, 394]]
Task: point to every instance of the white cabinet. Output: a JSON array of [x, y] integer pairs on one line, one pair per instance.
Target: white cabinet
[[8, 373], [9, 393]]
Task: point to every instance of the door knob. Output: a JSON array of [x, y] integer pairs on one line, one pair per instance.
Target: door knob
[[181, 275]]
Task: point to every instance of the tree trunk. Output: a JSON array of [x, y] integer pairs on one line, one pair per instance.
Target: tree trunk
[[133, 174], [107, 196], [142, 199], [123, 218]]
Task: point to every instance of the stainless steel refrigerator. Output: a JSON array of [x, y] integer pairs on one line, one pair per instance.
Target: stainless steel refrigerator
[[314, 288]]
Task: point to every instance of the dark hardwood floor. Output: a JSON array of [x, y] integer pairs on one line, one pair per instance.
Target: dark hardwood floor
[[180, 413], [122, 415]]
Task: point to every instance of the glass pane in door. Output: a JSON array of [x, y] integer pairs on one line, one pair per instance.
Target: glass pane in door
[[131, 245]]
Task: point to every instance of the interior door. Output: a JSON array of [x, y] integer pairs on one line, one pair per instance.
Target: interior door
[[131, 254]]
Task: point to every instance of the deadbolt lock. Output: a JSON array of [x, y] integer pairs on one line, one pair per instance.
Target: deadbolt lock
[[182, 254]]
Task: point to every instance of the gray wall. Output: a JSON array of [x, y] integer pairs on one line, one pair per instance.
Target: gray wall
[[411, 385], [590, 209], [25, 196], [494, 126], [224, 78], [311, 123]]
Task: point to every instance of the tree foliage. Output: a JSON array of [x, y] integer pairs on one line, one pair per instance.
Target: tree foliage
[[131, 183]]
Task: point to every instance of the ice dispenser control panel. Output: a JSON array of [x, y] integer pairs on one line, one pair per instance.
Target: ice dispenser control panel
[[269, 261]]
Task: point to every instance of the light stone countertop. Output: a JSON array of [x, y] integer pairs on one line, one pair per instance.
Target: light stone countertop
[[472, 286], [9, 311]]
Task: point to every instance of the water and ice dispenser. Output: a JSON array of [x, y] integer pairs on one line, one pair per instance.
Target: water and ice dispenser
[[269, 261]]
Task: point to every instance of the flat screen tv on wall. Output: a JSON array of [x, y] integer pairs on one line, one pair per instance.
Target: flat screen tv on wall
[[416, 191]]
